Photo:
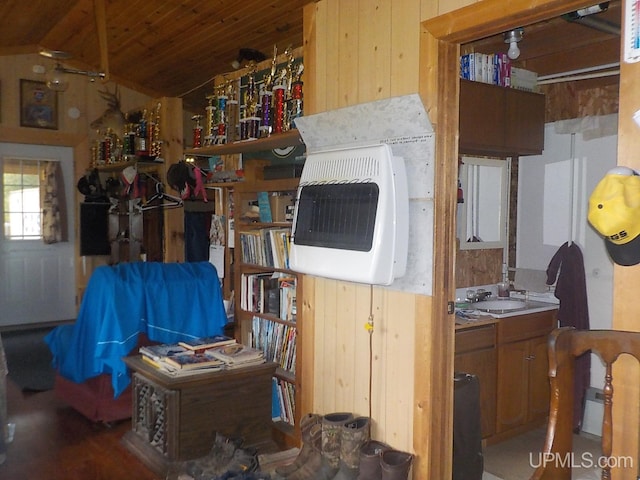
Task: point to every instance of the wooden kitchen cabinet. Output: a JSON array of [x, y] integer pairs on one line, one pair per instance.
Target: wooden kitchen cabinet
[[475, 353], [522, 383], [498, 120]]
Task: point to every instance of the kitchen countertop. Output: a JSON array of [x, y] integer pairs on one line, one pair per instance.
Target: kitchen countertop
[[471, 318]]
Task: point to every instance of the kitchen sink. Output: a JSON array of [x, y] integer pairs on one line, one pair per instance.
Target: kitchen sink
[[500, 306]]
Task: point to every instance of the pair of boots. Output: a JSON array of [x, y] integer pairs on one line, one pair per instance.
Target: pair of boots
[[331, 448], [337, 447], [378, 461]]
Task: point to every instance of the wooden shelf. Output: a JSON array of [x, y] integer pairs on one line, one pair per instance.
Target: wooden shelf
[[277, 140], [138, 162]]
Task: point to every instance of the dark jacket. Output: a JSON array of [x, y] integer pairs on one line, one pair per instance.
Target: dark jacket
[[566, 269]]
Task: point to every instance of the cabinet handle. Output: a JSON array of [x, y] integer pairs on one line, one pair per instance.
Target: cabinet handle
[[530, 357]]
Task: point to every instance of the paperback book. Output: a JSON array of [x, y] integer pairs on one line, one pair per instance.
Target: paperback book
[[201, 344], [236, 354], [193, 360], [159, 352]]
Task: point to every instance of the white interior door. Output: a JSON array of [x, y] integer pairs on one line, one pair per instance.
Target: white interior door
[[37, 280]]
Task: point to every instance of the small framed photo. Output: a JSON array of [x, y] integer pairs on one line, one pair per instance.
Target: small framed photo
[[38, 105]]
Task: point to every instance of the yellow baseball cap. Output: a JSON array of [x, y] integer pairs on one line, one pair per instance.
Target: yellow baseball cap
[[614, 211]]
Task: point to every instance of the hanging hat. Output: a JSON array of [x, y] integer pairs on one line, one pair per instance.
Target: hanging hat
[[614, 211]]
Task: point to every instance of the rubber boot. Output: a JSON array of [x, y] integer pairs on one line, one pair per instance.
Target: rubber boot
[[306, 423], [370, 458], [331, 431], [395, 465], [354, 434], [314, 460]]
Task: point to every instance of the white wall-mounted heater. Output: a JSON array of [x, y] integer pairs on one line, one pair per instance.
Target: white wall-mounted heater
[[351, 216]]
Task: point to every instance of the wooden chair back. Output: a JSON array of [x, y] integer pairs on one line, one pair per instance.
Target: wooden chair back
[[565, 344]]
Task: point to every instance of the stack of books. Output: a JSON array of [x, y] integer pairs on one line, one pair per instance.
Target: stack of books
[[200, 355], [236, 355]]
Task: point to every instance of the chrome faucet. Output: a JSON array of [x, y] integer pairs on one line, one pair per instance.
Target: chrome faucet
[[478, 295]]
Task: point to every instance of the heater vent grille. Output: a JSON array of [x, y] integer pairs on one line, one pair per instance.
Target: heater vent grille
[[354, 168], [338, 216]]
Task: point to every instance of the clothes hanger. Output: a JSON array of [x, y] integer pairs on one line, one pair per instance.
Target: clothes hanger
[[169, 201]]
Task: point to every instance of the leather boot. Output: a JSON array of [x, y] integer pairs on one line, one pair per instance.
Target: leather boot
[[314, 460], [331, 431], [354, 434], [395, 465], [370, 458], [306, 423]]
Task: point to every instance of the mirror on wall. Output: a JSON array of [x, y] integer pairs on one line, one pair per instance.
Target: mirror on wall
[[483, 202]]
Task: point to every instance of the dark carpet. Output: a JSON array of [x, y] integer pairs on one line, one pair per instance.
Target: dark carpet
[[29, 359]]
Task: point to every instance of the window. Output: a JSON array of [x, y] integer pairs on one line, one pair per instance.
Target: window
[[22, 189]]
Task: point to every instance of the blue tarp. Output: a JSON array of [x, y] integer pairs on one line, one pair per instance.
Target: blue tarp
[[167, 301]]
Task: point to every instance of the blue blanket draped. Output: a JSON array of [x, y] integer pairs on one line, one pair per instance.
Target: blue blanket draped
[[169, 302]]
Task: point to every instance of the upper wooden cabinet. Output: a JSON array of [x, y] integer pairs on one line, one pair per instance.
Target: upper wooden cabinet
[[498, 120]]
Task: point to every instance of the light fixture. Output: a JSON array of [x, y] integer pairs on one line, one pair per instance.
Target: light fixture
[[512, 37], [57, 77]]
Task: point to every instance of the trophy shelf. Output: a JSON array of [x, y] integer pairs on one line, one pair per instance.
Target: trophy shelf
[[276, 140]]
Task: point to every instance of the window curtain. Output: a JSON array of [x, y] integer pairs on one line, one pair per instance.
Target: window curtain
[[54, 209]]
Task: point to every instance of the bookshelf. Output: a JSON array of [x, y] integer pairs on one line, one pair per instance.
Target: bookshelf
[[266, 290]]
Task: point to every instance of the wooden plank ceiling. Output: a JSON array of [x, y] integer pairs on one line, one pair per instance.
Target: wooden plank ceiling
[[159, 47], [175, 47]]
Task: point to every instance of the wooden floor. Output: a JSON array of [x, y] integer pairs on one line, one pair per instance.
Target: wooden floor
[[54, 442]]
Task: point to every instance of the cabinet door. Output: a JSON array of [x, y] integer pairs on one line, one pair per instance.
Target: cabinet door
[[482, 117], [524, 125], [539, 389], [483, 364], [513, 379]]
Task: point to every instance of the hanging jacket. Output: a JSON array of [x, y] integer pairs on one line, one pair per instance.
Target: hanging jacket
[[566, 270]]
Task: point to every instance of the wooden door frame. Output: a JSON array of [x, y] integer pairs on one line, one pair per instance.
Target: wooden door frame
[[440, 67]]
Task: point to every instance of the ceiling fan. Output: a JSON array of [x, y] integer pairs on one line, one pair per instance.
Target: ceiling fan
[[57, 77]]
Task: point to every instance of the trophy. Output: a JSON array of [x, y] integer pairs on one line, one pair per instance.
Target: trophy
[[221, 116], [197, 131], [266, 96], [295, 109], [232, 111], [209, 138], [250, 124], [154, 135]]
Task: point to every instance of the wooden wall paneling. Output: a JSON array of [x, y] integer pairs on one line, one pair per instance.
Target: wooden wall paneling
[[349, 82], [349, 71], [172, 148], [324, 357], [397, 361], [313, 64], [330, 52], [340, 339], [405, 47], [305, 348], [374, 49]]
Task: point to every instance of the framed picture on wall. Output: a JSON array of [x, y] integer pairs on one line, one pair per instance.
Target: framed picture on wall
[[38, 105]]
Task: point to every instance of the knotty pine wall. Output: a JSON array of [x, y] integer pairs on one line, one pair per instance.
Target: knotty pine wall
[[358, 51]]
